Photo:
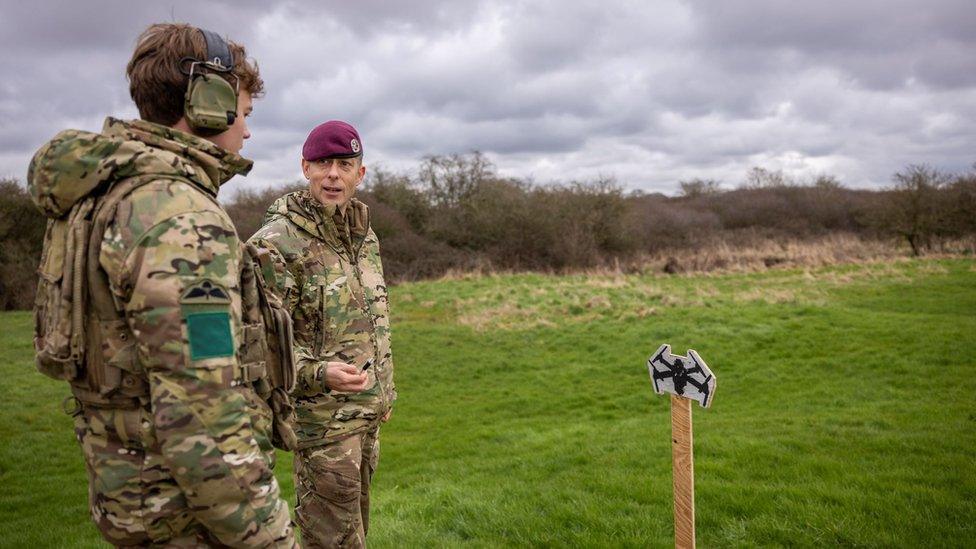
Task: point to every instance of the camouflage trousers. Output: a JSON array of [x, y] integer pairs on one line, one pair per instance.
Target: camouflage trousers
[[332, 484], [133, 499]]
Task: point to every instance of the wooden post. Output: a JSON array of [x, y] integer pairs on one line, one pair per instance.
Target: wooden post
[[686, 379], [683, 472]]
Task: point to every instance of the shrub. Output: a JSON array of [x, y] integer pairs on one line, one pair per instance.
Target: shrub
[[22, 229], [459, 214], [248, 207]]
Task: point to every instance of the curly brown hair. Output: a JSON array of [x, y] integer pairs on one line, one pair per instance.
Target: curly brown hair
[[156, 82]]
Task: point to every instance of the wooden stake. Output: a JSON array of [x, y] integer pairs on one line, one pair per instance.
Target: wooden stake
[[683, 471]]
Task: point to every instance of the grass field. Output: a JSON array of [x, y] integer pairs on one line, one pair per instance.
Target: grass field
[[843, 415]]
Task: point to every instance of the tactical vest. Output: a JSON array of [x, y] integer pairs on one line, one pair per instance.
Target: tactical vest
[[80, 335]]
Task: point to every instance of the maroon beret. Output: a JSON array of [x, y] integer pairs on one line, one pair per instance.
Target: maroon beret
[[332, 139]]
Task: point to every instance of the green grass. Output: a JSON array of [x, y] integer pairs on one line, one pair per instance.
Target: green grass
[[843, 414]]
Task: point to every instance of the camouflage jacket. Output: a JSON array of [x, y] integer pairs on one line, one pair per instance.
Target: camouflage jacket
[[329, 275], [172, 258]]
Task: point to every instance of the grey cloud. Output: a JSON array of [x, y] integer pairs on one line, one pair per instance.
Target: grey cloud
[[64, 62], [880, 43], [40, 28], [668, 89], [368, 19]]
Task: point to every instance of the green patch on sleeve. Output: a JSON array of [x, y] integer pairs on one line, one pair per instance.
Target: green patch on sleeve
[[209, 335]]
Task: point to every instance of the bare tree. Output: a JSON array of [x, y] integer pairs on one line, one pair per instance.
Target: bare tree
[[960, 202], [912, 210], [693, 188], [449, 179], [761, 178], [399, 192], [827, 182]]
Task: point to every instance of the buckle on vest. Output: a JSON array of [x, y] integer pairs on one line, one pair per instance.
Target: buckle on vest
[[75, 404], [251, 372]]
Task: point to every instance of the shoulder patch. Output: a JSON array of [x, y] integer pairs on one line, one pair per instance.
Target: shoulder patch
[[209, 334], [205, 292], [205, 306]]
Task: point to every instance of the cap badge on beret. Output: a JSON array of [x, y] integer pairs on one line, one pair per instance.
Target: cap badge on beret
[[354, 145]]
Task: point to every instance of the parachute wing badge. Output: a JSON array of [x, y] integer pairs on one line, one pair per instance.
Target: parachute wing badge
[[687, 377]]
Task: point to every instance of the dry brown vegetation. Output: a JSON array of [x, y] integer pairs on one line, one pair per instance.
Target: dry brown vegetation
[[457, 217]]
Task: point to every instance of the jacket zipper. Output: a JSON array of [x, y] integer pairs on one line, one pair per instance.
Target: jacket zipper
[[372, 322]]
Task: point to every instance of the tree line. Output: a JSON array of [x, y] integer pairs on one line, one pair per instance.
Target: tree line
[[457, 214]]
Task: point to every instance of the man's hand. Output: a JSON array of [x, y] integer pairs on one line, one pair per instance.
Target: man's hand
[[340, 376], [386, 416]]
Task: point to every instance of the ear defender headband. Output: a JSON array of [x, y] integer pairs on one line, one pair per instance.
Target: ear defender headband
[[210, 104]]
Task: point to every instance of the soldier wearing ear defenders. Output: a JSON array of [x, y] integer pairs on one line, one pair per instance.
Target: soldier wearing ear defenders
[[142, 305]]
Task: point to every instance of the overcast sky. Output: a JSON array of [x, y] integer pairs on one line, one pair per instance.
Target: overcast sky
[[649, 92]]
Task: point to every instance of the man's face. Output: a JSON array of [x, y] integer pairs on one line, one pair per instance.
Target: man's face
[[233, 139], [333, 180]]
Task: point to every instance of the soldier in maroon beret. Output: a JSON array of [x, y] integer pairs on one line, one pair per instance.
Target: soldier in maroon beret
[[332, 161], [330, 278]]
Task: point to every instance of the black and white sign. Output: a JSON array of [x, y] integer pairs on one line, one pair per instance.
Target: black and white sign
[[688, 377]]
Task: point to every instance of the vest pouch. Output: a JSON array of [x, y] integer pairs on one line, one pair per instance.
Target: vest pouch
[[252, 354], [114, 377], [282, 374], [122, 372], [59, 304], [66, 369], [268, 338], [264, 309], [254, 347], [287, 371], [283, 432]]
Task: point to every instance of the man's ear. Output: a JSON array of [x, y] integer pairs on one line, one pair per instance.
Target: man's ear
[[305, 165], [362, 174]]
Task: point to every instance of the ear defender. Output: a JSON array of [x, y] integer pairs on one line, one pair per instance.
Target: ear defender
[[210, 104]]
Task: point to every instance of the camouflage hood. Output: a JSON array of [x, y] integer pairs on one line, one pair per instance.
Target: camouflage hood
[[301, 209], [76, 163]]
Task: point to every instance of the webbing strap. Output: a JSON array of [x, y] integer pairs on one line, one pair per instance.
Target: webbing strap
[[98, 284]]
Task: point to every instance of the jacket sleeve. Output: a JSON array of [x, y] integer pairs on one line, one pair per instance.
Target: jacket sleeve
[[177, 283], [311, 371]]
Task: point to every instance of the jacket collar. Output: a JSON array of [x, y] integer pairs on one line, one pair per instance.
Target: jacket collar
[[326, 222], [216, 165]]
